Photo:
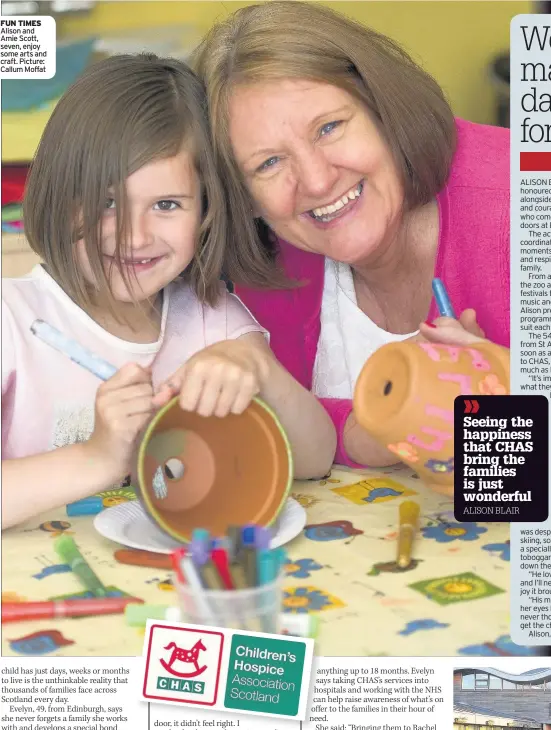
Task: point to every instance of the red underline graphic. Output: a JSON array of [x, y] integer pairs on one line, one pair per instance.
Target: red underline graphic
[[535, 161]]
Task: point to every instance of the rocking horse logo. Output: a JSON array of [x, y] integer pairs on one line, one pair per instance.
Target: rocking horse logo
[[185, 656], [183, 664]]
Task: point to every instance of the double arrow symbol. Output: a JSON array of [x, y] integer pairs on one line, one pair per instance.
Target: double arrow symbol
[[471, 406]]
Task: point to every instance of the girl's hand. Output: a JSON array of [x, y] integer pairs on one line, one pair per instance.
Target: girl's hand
[[124, 406], [221, 379], [449, 331]]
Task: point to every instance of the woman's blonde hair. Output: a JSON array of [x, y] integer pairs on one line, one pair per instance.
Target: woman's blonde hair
[[122, 113], [303, 40]]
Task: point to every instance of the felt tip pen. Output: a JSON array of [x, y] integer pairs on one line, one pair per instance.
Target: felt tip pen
[[32, 611], [247, 557], [199, 546], [266, 566], [262, 538], [281, 557], [219, 557], [144, 558], [200, 539], [200, 555], [233, 534], [442, 299], [88, 506], [176, 557], [267, 570], [248, 554], [211, 577], [409, 514], [68, 551], [237, 570], [270, 563], [136, 614], [225, 578], [238, 575], [75, 352], [194, 583]]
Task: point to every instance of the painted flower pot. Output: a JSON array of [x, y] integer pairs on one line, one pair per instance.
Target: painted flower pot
[[213, 472], [405, 394]]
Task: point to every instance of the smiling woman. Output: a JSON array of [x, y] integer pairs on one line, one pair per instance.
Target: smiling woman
[[348, 174]]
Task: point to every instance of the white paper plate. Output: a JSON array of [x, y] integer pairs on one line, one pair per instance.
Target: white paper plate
[[129, 525]]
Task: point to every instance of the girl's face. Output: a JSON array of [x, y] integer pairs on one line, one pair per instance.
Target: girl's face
[[319, 171], [164, 209]]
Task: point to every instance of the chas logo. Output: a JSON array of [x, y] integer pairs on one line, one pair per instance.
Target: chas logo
[[175, 657]]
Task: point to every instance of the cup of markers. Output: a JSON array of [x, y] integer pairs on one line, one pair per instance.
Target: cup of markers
[[231, 582]]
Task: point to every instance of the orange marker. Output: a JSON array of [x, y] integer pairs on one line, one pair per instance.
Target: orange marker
[[176, 557], [32, 611], [143, 557], [409, 514]]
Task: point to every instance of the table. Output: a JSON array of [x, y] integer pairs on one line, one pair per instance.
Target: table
[[453, 600]]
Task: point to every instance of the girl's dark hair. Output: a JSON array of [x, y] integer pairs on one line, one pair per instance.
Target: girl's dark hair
[[122, 113]]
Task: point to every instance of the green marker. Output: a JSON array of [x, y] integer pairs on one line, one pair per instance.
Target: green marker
[[163, 613], [69, 553]]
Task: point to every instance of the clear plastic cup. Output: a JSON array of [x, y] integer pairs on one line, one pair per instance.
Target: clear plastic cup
[[249, 609]]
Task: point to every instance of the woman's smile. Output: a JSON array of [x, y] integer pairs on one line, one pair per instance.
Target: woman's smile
[[317, 167], [347, 203]]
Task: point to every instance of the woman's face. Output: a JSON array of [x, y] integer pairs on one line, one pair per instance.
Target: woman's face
[[317, 168]]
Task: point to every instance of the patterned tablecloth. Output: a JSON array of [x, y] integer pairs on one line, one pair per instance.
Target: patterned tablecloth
[[452, 600]]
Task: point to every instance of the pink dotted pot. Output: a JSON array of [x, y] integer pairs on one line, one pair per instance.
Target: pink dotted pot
[[405, 394]]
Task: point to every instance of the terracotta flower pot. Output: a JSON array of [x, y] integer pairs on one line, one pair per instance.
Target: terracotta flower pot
[[213, 472], [405, 394]]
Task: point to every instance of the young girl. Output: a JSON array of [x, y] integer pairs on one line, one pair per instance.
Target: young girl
[[124, 207]]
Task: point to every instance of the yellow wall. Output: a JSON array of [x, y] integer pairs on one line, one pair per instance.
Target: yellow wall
[[454, 40]]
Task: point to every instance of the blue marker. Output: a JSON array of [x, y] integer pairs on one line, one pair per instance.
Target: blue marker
[[200, 546], [200, 536], [218, 542], [75, 352], [248, 534], [281, 558], [442, 299], [266, 573], [269, 564], [262, 538], [88, 506], [248, 554], [266, 566]]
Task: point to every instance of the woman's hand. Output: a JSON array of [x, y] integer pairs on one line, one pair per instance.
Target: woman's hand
[[360, 446], [221, 379], [448, 331], [124, 406]]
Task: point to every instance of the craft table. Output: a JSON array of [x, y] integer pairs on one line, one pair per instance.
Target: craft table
[[452, 600]]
